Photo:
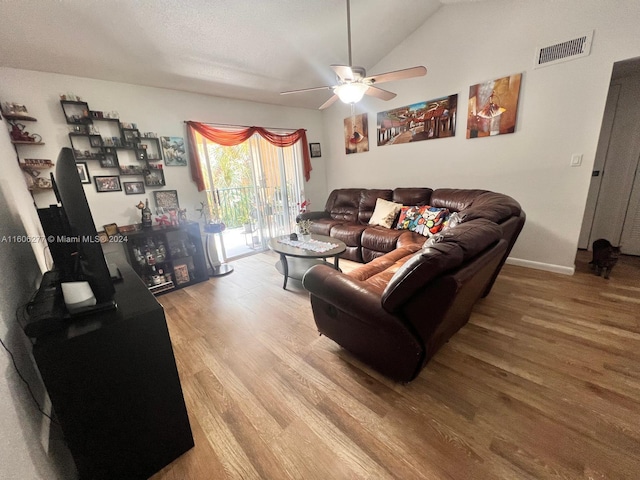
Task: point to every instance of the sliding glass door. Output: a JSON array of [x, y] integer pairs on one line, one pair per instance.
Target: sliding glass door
[[254, 188]]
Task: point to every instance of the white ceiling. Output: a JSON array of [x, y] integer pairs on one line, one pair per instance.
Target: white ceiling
[[244, 49]]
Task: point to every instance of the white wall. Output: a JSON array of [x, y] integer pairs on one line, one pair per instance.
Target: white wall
[[153, 110], [22, 454], [560, 112]]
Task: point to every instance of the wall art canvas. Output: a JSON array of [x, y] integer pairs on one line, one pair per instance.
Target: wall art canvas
[[356, 134], [419, 121], [493, 107], [174, 151]]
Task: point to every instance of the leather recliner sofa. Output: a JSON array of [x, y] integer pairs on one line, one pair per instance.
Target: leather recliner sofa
[[395, 311]]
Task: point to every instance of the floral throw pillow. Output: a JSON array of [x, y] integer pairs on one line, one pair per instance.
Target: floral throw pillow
[[424, 220]]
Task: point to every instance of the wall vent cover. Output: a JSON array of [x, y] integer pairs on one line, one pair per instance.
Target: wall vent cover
[[564, 51]]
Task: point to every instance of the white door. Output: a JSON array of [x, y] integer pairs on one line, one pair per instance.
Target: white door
[[630, 239], [621, 163]]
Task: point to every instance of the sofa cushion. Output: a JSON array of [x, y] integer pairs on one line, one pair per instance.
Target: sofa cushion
[[380, 264], [454, 199], [472, 237], [425, 220], [473, 204], [323, 226], [412, 196], [385, 213], [368, 202], [418, 271], [349, 233], [380, 239], [343, 204]]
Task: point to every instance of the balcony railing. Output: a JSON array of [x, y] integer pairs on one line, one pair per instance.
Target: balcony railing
[[238, 205]]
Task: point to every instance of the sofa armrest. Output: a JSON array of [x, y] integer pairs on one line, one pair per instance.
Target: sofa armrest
[[348, 295], [312, 216]]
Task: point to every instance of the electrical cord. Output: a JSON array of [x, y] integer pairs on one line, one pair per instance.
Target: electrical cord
[[15, 365]]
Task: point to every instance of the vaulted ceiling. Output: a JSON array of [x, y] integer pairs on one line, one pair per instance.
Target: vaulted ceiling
[[243, 49]]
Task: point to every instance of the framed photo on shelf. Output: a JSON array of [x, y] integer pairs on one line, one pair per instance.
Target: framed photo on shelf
[[133, 188], [181, 272], [131, 136], [154, 177], [314, 149], [131, 170], [111, 229], [95, 141], [109, 161], [83, 172], [167, 199], [107, 183]]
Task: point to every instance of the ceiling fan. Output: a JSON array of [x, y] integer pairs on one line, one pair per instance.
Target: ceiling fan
[[353, 82]]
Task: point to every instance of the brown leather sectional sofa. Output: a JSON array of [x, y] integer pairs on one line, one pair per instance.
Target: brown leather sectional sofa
[[408, 299]]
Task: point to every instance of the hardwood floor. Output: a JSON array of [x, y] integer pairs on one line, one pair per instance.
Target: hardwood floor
[[543, 382]]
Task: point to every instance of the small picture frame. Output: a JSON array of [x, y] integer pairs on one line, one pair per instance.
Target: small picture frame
[[154, 177], [109, 161], [133, 188], [181, 273], [131, 170], [111, 229], [131, 136], [95, 141], [107, 183], [167, 199], [314, 149], [83, 172]]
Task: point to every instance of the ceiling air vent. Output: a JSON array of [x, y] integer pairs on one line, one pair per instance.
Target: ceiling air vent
[[563, 52]]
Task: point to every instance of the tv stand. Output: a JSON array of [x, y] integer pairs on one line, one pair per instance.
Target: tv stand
[[114, 386]]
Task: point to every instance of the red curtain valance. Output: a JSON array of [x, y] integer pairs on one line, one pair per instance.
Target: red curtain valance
[[229, 138]]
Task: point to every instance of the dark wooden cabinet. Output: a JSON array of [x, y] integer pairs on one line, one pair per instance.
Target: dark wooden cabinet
[[167, 257], [114, 387]]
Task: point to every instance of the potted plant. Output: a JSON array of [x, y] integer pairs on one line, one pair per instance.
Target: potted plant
[[210, 225]]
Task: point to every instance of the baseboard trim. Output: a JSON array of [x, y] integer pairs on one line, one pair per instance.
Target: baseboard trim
[[549, 267]]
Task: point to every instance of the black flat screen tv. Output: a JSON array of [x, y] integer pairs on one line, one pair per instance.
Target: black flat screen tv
[[71, 233]]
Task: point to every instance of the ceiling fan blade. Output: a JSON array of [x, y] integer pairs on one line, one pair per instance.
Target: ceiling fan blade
[[329, 102], [306, 90], [397, 75], [343, 72], [379, 93]]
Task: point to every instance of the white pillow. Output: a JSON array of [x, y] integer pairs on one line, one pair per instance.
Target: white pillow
[[385, 213]]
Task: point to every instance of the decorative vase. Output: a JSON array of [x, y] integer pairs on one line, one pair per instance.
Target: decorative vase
[[306, 237]]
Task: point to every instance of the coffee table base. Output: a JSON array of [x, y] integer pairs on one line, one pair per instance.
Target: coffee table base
[[295, 267]]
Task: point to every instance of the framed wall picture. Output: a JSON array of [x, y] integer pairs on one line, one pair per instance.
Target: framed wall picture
[[356, 134], [83, 172], [167, 199], [428, 120], [314, 149], [174, 151], [133, 188], [493, 107], [107, 183]]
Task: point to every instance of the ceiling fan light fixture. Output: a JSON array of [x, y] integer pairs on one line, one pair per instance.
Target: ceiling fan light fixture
[[350, 92]]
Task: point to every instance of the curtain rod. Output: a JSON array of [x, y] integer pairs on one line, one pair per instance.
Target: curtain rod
[[244, 126]]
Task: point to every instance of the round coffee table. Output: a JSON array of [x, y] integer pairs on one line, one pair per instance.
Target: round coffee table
[[301, 260]]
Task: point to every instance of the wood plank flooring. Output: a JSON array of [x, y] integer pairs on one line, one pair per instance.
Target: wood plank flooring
[[543, 382]]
